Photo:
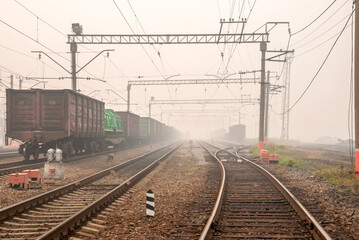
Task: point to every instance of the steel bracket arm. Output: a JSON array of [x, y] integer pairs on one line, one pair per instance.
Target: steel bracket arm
[[52, 60], [107, 50]]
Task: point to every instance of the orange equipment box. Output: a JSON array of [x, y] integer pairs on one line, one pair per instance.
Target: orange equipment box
[[19, 180], [34, 175], [273, 158], [264, 156]]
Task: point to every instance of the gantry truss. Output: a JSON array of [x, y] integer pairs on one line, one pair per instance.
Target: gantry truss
[[195, 81], [168, 38], [206, 101]]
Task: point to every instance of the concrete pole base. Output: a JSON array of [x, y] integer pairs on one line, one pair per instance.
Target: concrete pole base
[[54, 170]]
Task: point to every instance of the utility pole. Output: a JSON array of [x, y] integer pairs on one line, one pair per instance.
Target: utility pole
[[73, 49], [267, 108], [11, 81], [356, 89], [77, 29], [286, 97], [149, 110], [263, 48], [20, 83], [285, 104], [128, 97]]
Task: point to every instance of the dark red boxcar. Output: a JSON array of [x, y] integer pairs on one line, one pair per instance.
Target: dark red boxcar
[[42, 116], [130, 123]]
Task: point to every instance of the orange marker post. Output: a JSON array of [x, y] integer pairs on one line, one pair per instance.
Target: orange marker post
[[52, 170], [261, 145]]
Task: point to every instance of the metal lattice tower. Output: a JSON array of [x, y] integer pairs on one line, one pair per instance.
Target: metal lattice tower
[[286, 97]]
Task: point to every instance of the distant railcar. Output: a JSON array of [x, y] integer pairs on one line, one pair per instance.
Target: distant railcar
[[146, 128], [44, 119], [130, 123], [114, 134], [237, 132], [151, 129]]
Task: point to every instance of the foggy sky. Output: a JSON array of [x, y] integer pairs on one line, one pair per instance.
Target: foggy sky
[[323, 111]]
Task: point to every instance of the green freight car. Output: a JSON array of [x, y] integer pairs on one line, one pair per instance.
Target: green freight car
[[113, 129], [146, 128]]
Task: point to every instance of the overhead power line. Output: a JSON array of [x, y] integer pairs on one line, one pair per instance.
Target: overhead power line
[[55, 29], [39, 18], [153, 46], [321, 43], [321, 34], [325, 21], [314, 19], [123, 16], [322, 65], [32, 39], [29, 56]]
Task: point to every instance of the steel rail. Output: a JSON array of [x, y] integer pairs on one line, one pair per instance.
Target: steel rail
[[313, 226], [62, 230], [23, 165], [18, 163], [208, 228], [8, 154], [10, 170], [47, 196]]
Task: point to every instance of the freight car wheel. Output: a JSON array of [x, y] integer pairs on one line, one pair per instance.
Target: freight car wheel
[[66, 150], [27, 154], [35, 154]]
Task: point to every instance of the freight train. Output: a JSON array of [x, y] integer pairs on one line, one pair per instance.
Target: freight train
[[73, 122]]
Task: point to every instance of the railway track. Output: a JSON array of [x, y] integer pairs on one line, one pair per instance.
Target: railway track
[[11, 167], [253, 204], [4, 155], [189, 227], [55, 214], [18, 166]]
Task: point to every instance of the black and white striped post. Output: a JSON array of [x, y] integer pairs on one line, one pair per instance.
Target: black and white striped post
[[150, 203]]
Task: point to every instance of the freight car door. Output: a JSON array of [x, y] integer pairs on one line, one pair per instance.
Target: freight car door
[[79, 116], [72, 107], [23, 111], [85, 117], [52, 111]]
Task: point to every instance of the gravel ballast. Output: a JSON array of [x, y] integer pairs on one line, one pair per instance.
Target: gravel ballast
[[74, 171], [178, 183]]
